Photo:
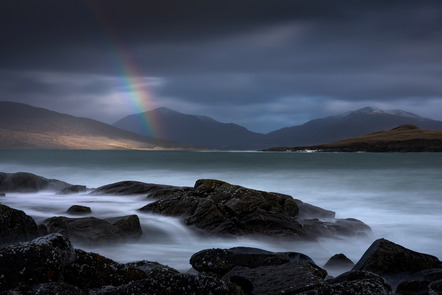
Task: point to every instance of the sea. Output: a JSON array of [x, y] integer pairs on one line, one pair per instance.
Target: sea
[[399, 195]]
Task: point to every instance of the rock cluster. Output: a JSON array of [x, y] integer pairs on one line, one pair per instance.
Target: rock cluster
[[15, 226], [221, 208], [50, 265], [95, 230], [42, 263], [24, 182]]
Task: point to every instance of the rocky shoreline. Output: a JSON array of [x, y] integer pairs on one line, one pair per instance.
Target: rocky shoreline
[[40, 259]]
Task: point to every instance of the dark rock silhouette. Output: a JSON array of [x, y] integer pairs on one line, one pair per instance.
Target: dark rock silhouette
[[15, 226], [95, 230], [221, 208], [25, 182], [79, 210], [40, 261], [130, 188]]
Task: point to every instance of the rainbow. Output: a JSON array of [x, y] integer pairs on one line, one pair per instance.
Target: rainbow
[[136, 89]]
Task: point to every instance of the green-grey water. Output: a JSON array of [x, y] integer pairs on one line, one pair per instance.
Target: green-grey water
[[398, 195]]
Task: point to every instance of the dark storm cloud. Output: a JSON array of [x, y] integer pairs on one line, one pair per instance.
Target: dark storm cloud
[[296, 60]]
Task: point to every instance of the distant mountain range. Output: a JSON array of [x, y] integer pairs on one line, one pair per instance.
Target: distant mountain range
[[207, 132], [404, 138], [196, 130], [27, 127]]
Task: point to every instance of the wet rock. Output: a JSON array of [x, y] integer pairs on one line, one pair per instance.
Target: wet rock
[[435, 288], [91, 270], [384, 257], [220, 261], [40, 261], [339, 261], [337, 227], [173, 284], [352, 283], [2, 195], [288, 278], [55, 288], [418, 283], [221, 208], [153, 269], [394, 262], [130, 188], [79, 210], [16, 226], [73, 189], [24, 182], [95, 230], [308, 211]]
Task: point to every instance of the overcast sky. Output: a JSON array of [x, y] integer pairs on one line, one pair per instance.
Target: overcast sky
[[264, 64]]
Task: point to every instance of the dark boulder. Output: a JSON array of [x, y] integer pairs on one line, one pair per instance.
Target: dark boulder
[[95, 230], [336, 227], [221, 208], [221, 261], [91, 270], [40, 261], [340, 262], [73, 189], [394, 262], [384, 257], [130, 188], [54, 288], [308, 211], [418, 283], [173, 284], [16, 226], [24, 182], [352, 283], [2, 195], [153, 268], [79, 210], [435, 288], [287, 278]]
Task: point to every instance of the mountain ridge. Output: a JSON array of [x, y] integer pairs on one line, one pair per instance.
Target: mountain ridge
[[404, 138], [27, 127]]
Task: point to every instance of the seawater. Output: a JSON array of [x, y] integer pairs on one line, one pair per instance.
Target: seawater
[[398, 195]]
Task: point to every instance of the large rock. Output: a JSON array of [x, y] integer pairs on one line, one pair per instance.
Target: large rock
[[384, 257], [79, 210], [335, 227], [339, 262], [220, 261], [418, 283], [73, 189], [394, 262], [95, 230], [40, 261], [130, 188], [351, 283], [173, 284], [24, 182], [286, 278], [15, 226], [218, 207], [221, 208], [91, 270], [153, 269], [54, 288], [308, 211]]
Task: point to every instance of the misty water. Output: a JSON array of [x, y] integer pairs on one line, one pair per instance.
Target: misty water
[[398, 195]]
